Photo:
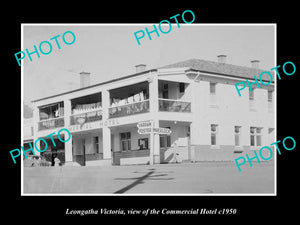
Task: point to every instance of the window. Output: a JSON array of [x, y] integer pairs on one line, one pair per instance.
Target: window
[[270, 96], [161, 141], [165, 92], [143, 143], [181, 87], [165, 140], [251, 94], [212, 88], [237, 135], [258, 136], [213, 97], [214, 131], [51, 111], [96, 141], [125, 141], [255, 136], [168, 140]]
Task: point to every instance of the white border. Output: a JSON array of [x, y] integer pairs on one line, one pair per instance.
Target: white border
[[143, 24]]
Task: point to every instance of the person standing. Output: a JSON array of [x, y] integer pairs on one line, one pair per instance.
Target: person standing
[[56, 161], [175, 153]]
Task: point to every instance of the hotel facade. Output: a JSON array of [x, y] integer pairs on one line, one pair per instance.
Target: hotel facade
[[196, 99]]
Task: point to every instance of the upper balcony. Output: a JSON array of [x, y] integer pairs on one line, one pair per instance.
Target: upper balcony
[[172, 96], [129, 109], [86, 109], [124, 101], [51, 116], [129, 100], [134, 99], [172, 105]]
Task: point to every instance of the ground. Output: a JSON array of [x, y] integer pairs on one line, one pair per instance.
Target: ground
[[206, 178]]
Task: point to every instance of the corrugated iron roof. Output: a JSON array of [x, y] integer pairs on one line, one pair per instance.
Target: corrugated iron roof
[[220, 68], [194, 64]]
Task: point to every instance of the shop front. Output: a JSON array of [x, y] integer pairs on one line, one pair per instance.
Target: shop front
[[130, 147]]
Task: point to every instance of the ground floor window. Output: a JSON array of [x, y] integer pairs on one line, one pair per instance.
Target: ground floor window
[[143, 143], [125, 141], [237, 135], [165, 140], [214, 131], [96, 141], [255, 136]]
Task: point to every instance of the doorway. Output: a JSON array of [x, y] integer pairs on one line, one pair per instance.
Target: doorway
[[79, 149]]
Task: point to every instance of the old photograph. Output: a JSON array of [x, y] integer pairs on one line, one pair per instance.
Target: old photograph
[[148, 109]]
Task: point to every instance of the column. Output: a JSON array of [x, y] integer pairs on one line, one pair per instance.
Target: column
[[68, 144], [196, 105], [68, 150], [153, 99], [156, 144], [153, 95], [36, 119], [106, 132], [197, 126], [106, 143]]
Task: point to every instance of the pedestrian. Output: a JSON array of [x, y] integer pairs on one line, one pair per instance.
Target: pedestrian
[[56, 161], [175, 153], [35, 162]]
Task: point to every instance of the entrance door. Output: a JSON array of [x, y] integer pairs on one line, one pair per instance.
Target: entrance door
[[83, 151], [79, 150], [188, 133]]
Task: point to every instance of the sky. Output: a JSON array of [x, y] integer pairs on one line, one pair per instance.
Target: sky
[[110, 51]]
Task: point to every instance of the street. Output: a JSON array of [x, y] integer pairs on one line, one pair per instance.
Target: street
[[205, 178]]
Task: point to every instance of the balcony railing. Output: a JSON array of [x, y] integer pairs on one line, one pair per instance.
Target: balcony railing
[[86, 117], [170, 105], [129, 109], [51, 123]]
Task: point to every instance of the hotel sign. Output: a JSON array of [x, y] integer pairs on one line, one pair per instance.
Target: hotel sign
[[93, 125]]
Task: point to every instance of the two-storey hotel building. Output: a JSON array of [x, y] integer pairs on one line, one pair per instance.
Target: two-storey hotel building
[[195, 98]]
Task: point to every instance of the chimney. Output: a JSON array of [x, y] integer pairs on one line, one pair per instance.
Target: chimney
[[140, 68], [222, 58], [255, 64], [84, 79]]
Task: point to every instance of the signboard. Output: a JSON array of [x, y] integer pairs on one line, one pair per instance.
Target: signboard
[[156, 130], [82, 126], [145, 124], [161, 130], [145, 130], [85, 126]]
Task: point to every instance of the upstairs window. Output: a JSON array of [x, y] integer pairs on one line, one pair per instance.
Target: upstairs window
[[270, 96], [165, 91], [212, 88], [251, 94], [181, 87], [52, 111]]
